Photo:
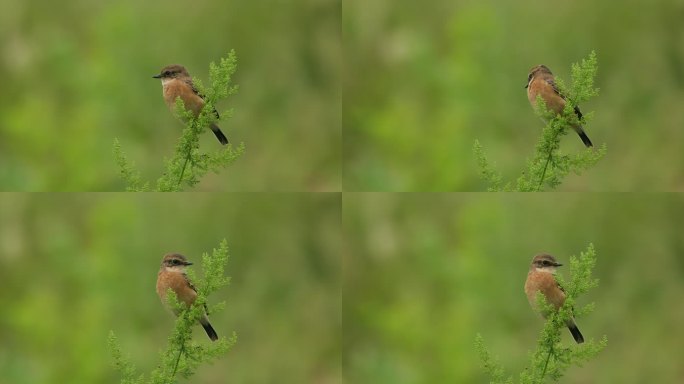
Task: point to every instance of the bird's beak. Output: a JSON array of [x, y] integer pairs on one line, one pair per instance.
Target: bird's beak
[[558, 265], [187, 263], [157, 76], [526, 85]]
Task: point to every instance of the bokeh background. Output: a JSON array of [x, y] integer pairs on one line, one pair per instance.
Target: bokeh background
[[77, 74], [424, 80], [424, 273], [75, 266]]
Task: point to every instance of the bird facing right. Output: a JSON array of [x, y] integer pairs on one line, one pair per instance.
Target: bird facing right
[[172, 276], [541, 278]]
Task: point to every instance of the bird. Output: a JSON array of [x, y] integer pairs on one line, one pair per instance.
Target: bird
[[172, 276], [541, 278], [540, 81], [176, 82]]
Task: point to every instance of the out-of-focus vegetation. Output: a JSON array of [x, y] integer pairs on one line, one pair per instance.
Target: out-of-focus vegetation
[[75, 266], [77, 74], [424, 80], [424, 273]]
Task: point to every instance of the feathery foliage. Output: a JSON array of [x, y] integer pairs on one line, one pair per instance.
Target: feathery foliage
[[549, 166], [551, 359], [188, 164], [183, 356]]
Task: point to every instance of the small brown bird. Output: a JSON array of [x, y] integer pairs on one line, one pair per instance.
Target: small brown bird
[[541, 278], [172, 275], [540, 82], [176, 82]]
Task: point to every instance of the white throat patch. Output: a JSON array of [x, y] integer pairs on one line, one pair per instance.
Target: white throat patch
[[167, 80]]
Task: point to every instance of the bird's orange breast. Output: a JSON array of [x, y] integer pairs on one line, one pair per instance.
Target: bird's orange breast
[[547, 285], [177, 88], [176, 282], [553, 100]]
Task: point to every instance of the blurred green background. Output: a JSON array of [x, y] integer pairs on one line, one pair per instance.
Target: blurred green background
[[75, 266], [78, 74], [424, 273], [424, 80]]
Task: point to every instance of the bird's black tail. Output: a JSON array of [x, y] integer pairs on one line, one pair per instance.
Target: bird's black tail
[[576, 333], [210, 331], [219, 135], [584, 137]]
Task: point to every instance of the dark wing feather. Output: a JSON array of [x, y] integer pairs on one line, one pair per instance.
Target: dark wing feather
[[198, 93], [578, 113], [561, 288], [555, 89], [187, 280]]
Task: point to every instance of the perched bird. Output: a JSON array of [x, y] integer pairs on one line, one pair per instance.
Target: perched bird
[[540, 82], [176, 82], [541, 278], [172, 275]]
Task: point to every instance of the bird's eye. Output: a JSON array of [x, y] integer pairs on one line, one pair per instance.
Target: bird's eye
[[174, 262], [529, 77], [167, 73]]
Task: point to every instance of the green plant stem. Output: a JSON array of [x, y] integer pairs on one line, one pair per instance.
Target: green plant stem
[[175, 367], [185, 164], [546, 165], [546, 363]]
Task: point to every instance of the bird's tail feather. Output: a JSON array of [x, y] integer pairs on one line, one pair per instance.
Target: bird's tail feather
[[576, 333], [209, 330], [219, 135], [584, 137]]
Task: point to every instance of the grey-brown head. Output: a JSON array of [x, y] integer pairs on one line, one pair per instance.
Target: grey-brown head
[[175, 261], [172, 71], [544, 263], [538, 70]]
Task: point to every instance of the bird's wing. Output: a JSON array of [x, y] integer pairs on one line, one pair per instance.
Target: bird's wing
[[563, 290], [198, 93], [560, 287], [187, 280], [578, 112], [558, 92], [555, 87]]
